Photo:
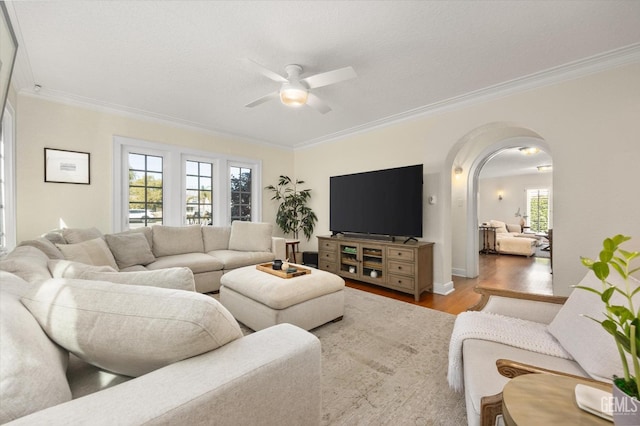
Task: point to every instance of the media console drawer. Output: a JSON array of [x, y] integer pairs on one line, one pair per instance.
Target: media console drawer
[[404, 268]]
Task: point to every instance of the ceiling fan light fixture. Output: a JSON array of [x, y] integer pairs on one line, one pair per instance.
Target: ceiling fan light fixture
[[529, 150], [294, 97]]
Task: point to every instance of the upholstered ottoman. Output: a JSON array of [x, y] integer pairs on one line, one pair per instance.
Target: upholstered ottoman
[[259, 300]]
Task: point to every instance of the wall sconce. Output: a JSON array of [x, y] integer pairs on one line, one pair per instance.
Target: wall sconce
[[458, 172], [500, 195]]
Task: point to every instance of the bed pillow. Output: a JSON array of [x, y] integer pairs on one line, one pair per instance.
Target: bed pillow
[[130, 249], [129, 329], [92, 252], [250, 236], [587, 342]]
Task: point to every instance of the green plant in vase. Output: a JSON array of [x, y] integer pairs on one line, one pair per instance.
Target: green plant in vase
[[621, 320], [293, 213]]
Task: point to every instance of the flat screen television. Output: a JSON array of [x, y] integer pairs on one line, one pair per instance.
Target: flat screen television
[[382, 202]]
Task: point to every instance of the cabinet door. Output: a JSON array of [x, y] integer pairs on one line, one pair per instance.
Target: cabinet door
[[373, 263], [348, 254]]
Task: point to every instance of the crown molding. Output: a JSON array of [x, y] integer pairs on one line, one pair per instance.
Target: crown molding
[[570, 71]]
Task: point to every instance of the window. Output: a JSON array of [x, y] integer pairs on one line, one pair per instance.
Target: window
[[199, 176], [145, 190], [174, 185], [538, 209], [240, 187], [7, 183]]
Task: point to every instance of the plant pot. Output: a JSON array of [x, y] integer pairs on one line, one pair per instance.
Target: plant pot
[[625, 408]]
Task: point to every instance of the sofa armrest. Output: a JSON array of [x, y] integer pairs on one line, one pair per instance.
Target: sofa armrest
[[271, 377], [278, 247], [533, 307]]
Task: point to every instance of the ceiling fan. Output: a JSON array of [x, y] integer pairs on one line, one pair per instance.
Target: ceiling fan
[[295, 91]]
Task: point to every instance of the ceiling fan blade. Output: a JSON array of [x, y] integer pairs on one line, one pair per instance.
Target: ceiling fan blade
[[267, 72], [318, 104], [265, 98], [329, 77]]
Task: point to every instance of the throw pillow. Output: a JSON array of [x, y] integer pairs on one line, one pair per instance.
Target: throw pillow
[[92, 252], [170, 240], [587, 342], [129, 329], [215, 238], [178, 278], [28, 263], [501, 227], [33, 368], [45, 246], [130, 249], [78, 235], [250, 236]]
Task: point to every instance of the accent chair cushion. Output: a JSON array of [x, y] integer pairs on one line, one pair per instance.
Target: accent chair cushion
[[169, 240], [92, 252], [129, 329], [32, 367], [250, 236], [130, 249], [587, 342], [501, 227]]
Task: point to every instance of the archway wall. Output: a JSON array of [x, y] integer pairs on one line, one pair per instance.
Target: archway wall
[[589, 125]]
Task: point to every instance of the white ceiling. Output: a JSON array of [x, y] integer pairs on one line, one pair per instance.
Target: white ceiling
[[512, 162], [182, 61]]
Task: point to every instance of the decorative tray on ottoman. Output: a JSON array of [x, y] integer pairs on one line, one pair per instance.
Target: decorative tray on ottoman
[[268, 268]]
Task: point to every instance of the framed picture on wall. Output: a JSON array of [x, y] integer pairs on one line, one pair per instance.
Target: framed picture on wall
[[61, 166]]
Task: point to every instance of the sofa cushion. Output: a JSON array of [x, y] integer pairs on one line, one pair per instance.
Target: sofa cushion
[[129, 329], [250, 236], [232, 259], [45, 246], [197, 262], [216, 237], [27, 262], [174, 278], [130, 249], [170, 240], [78, 235], [66, 268], [92, 252], [32, 367], [576, 332]]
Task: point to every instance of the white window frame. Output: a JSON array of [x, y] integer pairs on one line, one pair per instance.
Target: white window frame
[[540, 188], [8, 158], [174, 195]]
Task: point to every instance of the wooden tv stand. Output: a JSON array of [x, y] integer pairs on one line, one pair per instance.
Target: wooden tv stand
[[406, 267]]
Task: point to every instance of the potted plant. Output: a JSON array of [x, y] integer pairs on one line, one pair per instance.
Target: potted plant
[[293, 213], [621, 320]]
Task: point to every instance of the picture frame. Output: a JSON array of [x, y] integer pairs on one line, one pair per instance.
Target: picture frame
[[62, 166], [8, 54]]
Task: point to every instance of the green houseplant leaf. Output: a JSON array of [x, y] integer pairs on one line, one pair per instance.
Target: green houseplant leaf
[[293, 214]]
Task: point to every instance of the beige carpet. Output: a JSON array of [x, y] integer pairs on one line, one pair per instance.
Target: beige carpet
[[385, 363]]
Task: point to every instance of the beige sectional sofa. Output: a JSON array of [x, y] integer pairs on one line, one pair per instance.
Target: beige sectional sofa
[[208, 251], [511, 333], [140, 351]]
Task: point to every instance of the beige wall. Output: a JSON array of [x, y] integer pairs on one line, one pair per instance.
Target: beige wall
[[589, 125], [40, 123]]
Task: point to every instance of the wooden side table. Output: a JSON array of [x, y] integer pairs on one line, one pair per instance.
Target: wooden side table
[[488, 239], [293, 246], [546, 399]]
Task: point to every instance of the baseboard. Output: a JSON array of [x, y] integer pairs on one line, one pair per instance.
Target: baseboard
[[443, 289], [458, 272]]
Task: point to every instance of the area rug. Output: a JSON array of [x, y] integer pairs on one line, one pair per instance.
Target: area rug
[[385, 363]]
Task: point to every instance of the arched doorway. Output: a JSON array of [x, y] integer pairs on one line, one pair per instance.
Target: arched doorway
[[467, 158]]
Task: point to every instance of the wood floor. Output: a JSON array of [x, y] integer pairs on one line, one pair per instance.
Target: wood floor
[[526, 274]]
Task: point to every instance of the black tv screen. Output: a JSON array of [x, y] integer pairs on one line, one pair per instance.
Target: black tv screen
[[385, 202]]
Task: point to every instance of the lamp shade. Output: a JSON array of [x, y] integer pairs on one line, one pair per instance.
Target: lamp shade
[[293, 95]]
